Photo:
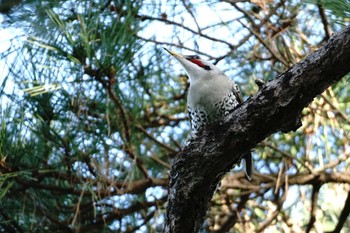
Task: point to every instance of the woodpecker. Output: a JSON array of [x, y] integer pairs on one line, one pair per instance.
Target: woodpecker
[[211, 95]]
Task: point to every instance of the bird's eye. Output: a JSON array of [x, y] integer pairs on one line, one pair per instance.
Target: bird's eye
[[193, 57]]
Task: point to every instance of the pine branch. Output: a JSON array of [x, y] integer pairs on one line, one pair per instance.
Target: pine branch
[[199, 167], [343, 216]]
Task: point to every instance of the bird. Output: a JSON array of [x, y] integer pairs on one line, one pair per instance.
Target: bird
[[211, 95]]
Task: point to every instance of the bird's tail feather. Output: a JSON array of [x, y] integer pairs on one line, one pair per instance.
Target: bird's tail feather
[[248, 165]]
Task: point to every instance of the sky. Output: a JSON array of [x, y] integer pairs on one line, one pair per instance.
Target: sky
[[9, 37]]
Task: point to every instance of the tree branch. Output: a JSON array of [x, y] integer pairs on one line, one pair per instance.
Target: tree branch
[[324, 21], [199, 167], [314, 197], [343, 215], [233, 217]]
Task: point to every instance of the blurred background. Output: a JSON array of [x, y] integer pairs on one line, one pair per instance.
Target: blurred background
[[93, 110]]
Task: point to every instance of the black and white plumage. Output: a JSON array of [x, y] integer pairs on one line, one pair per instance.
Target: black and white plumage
[[211, 96], [200, 115]]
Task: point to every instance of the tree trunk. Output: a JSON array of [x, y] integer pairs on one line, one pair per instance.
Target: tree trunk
[[199, 167]]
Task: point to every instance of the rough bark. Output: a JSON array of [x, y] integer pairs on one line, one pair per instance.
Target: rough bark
[[199, 167]]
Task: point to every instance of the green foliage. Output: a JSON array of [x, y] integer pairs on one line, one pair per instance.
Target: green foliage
[[339, 8]]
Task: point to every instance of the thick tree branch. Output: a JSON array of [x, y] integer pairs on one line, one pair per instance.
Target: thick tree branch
[[199, 167]]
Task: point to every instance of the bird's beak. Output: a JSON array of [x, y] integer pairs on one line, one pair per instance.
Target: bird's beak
[[176, 55]]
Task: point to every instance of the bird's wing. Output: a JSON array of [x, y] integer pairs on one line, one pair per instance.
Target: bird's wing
[[189, 112], [247, 157], [192, 124]]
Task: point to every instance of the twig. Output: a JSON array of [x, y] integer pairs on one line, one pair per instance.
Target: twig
[[285, 154], [235, 47], [339, 111], [192, 15], [155, 140], [139, 163], [343, 215], [144, 17], [324, 22], [234, 215], [262, 41], [161, 162]]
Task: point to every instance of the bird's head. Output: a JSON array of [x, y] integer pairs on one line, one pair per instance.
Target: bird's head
[[196, 68]]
